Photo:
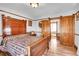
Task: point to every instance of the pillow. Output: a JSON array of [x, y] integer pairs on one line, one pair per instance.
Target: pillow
[[32, 33]]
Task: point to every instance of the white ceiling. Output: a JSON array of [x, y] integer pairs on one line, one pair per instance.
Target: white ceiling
[[43, 11]]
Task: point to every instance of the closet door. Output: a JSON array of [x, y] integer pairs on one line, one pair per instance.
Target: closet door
[[21, 26], [14, 26], [46, 27], [67, 30], [17, 26]]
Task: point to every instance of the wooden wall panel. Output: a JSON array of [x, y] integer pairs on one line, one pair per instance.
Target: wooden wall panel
[[14, 26], [17, 26], [4, 21], [45, 27], [22, 26], [67, 30]]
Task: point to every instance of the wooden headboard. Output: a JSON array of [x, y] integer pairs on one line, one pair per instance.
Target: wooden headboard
[[17, 26]]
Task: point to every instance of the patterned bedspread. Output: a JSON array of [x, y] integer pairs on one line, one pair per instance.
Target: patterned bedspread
[[17, 44]]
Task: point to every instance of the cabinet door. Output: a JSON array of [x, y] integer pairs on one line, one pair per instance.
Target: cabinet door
[[67, 30], [45, 27], [22, 26], [4, 20], [17, 26], [14, 26]]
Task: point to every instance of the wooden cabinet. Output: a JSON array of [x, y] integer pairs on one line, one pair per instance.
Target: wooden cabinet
[[45, 27], [22, 26], [17, 26], [14, 26], [67, 30]]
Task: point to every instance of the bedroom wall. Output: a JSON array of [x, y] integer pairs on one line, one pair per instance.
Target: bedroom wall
[[0, 25], [77, 32], [0, 29], [35, 27]]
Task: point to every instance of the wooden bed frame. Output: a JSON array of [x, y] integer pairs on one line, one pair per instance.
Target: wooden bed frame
[[39, 47]]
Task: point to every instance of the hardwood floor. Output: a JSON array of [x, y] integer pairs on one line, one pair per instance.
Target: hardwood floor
[[60, 50]]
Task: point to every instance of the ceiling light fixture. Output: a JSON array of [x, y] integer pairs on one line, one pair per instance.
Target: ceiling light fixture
[[34, 5]]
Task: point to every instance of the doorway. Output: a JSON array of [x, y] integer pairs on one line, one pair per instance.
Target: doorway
[[54, 31]]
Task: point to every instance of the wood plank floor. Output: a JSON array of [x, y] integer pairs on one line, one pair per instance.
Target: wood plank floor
[[60, 50]]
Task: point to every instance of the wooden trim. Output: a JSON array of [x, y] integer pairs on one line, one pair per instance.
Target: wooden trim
[[47, 18], [54, 18], [28, 51]]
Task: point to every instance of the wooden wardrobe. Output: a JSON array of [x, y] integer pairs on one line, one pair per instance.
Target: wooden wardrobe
[[67, 30], [45, 27], [17, 26]]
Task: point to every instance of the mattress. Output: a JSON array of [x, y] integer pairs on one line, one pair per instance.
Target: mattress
[[17, 44]]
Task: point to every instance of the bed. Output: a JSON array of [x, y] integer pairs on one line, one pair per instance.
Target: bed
[[26, 45]]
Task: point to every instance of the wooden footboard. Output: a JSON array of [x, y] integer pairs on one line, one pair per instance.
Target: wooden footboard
[[39, 47]]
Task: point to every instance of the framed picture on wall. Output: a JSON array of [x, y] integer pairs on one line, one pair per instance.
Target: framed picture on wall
[[29, 23]]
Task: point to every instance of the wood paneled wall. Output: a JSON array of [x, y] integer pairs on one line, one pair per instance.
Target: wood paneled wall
[[17, 26], [67, 30]]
